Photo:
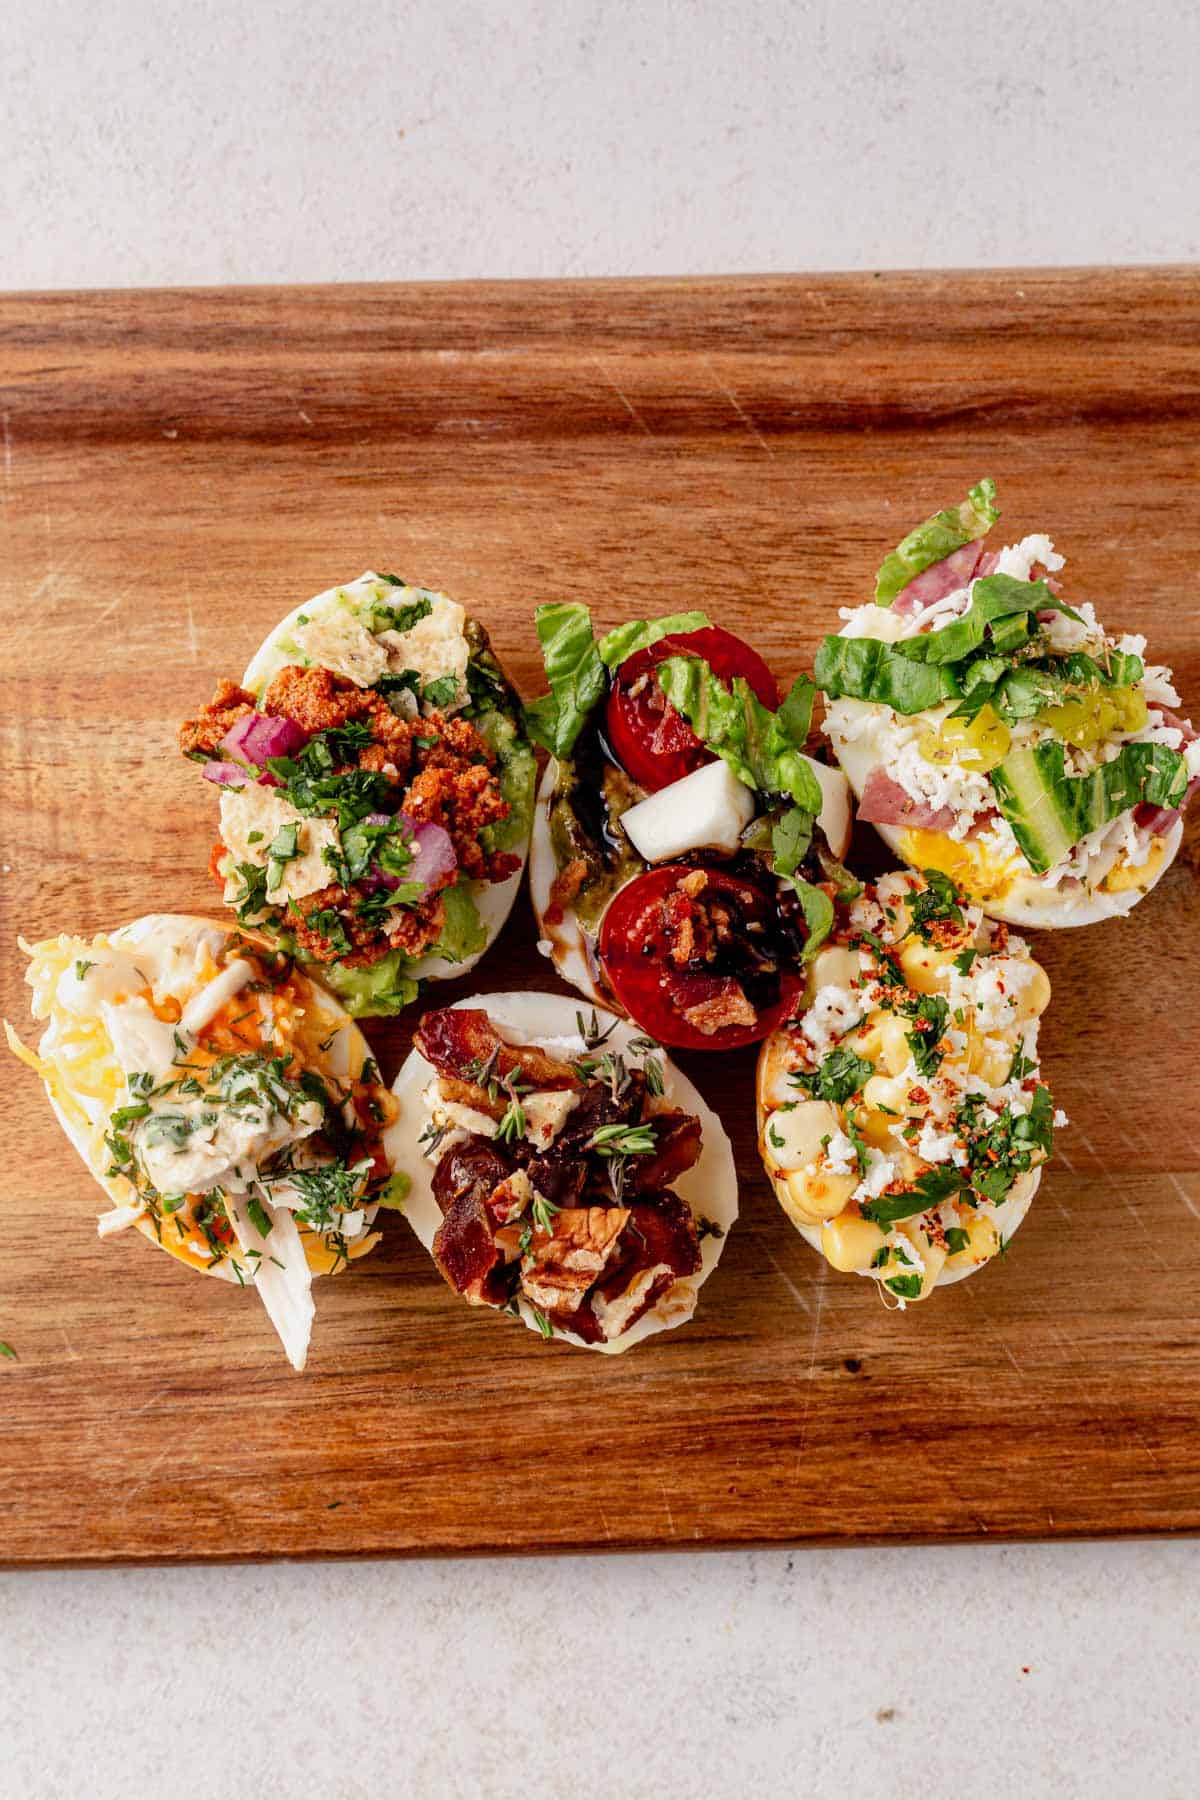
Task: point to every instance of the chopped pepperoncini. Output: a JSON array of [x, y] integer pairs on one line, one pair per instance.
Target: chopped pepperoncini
[[979, 743]]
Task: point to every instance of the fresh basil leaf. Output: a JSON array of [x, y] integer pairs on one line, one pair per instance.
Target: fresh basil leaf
[[818, 915], [791, 836], [936, 539]]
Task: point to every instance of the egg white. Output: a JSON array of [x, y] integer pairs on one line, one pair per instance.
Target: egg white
[[493, 899]]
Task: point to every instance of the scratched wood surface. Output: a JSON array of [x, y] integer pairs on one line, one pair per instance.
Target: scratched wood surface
[[178, 470]]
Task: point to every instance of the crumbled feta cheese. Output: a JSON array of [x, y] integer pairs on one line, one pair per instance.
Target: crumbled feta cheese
[[1017, 560], [546, 1112], [882, 1170], [1060, 1119], [1131, 643], [935, 1146], [867, 915], [841, 1158], [872, 621], [1071, 634], [1191, 758], [965, 791], [260, 813], [453, 1119], [995, 989], [830, 1016], [1157, 685]]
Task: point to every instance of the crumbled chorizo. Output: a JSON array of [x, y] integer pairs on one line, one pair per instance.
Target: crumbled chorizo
[[202, 735], [315, 699]]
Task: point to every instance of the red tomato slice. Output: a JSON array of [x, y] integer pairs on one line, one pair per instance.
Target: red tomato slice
[[724, 931], [654, 743]]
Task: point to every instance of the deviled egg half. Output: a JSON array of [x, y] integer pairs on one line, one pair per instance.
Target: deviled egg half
[[902, 1117], [562, 1168], [226, 1104], [685, 846], [995, 732], [376, 789]]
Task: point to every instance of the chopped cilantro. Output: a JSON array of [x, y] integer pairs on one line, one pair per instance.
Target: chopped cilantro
[[929, 1013], [928, 1189], [964, 959], [841, 1075], [399, 618], [442, 691], [1020, 1066], [81, 968], [956, 1239], [906, 1287], [7, 1351], [938, 903]]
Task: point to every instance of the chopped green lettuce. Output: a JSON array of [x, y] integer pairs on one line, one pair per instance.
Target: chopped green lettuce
[[1049, 810], [638, 634], [936, 539], [764, 749], [922, 672], [868, 669], [577, 667], [464, 933]]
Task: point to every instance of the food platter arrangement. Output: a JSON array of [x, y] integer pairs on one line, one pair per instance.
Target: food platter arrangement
[[685, 849]]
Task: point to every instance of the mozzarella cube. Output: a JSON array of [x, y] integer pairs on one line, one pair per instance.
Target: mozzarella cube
[[707, 810]]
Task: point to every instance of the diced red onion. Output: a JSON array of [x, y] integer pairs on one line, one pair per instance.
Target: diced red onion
[[225, 774], [230, 774], [256, 738], [433, 854], [433, 857]]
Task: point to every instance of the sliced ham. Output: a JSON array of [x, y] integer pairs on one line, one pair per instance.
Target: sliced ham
[[938, 580], [885, 802]]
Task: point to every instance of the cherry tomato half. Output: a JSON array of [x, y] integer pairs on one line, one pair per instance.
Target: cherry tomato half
[[695, 957], [654, 743]]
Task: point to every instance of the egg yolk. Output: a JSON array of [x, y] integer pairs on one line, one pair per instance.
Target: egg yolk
[[969, 864]]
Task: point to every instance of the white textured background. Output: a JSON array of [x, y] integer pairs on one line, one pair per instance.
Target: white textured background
[[166, 142]]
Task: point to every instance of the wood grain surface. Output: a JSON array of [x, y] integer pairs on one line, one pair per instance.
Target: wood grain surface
[[181, 468]]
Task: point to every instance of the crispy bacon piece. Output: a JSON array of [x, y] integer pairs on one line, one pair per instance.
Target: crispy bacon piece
[[466, 1251], [476, 1166], [463, 1042], [464, 1246]]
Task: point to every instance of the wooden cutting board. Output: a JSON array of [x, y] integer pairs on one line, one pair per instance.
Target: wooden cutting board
[[180, 469]]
